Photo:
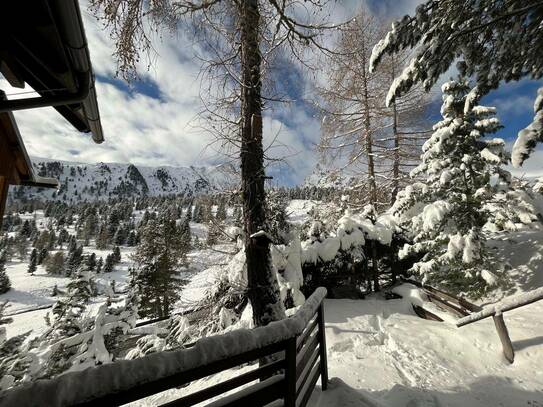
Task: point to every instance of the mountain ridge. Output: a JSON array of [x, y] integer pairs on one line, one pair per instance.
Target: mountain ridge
[[91, 182]]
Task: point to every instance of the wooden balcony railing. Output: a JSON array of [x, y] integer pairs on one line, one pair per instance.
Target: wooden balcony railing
[[296, 348]]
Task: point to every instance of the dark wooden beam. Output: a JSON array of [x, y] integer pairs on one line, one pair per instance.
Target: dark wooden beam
[[4, 184]]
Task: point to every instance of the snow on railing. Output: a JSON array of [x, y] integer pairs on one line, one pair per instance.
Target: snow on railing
[[82, 387]]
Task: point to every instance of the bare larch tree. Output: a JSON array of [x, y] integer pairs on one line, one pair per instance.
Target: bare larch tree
[[240, 35]]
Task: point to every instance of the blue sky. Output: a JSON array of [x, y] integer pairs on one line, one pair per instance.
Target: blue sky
[[153, 121]]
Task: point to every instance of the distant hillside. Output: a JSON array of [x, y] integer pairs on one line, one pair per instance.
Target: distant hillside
[[89, 182]]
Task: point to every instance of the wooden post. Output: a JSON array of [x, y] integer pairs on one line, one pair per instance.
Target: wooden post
[[4, 184], [290, 373], [322, 348], [507, 346]]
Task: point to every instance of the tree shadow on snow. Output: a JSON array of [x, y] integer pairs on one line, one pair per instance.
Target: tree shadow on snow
[[485, 391], [527, 343]]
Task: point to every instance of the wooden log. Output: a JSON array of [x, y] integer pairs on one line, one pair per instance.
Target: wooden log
[[507, 346], [508, 304], [425, 314], [446, 305], [461, 302]]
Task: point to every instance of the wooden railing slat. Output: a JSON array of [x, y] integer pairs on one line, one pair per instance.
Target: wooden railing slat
[[302, 339], [230, 384], [305, 352], [302, 376], [258, 394], [306, 391], [166, 383], [322, 346]]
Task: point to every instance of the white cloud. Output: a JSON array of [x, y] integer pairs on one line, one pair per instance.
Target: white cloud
[[141, 129]]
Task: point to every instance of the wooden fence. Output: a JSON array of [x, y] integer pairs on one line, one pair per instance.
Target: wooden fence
[[469, 313], [496, 312], [295, 348]]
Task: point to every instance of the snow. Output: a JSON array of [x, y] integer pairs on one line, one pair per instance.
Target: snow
[[380, 354], [298, 210], [432, 215], [490, 278]]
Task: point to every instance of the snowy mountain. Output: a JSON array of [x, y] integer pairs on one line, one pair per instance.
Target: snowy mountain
[[88, 182]]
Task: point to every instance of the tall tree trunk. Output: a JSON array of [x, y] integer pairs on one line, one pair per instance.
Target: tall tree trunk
[[368, 135], [396, 156], [263, 291], [371, 164]]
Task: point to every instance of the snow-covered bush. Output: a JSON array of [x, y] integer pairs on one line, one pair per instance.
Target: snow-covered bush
[[341, 257]]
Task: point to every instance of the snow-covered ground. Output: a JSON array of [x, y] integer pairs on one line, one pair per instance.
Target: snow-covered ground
[[381, 354]]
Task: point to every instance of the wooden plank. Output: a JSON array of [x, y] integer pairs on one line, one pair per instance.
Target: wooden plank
[[464, 307], [3, 197], [302, 339], [446, 305], [304, 373], [227, 385], [290, 373], [507, 346], [165, 383], [306, 391], [425, 314], [258, 394], [449, 297], [322, 346], [306, 352]]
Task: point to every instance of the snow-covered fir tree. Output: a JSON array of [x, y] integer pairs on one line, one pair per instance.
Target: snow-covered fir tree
[[67, 312], [33, 263], [5, 283], [446, 211], [159, 258]]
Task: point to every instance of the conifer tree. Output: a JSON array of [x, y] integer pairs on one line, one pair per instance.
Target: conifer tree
[[185, 234], [75, 256], [116, 254], [500, 41], [457, 164], [109, 264], [67, 312], [212, 234], [131, 239], [91, 261], [42, 255], [158, 257], [102, 240], [221, 211], [5, 283], [99, 265], [55, 263], [33, 265]]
